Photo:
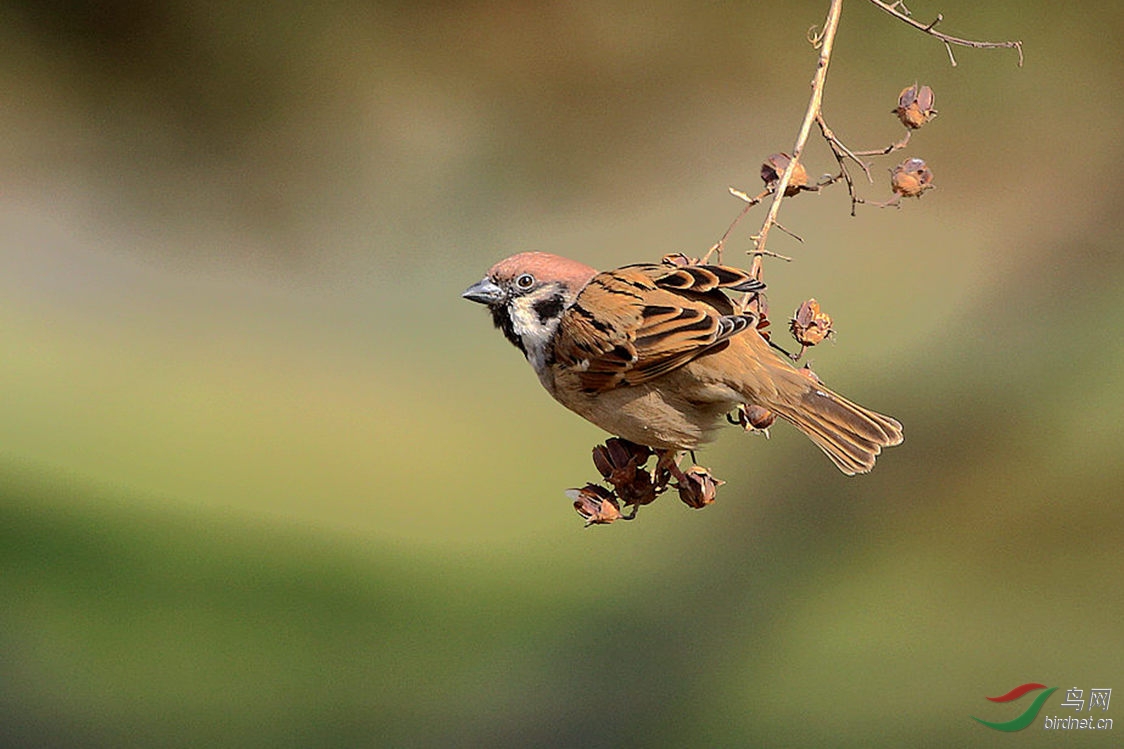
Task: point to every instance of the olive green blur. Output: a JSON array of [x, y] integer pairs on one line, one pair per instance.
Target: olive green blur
[[266, 480]]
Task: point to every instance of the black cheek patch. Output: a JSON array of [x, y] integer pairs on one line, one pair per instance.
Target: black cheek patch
[[549, 308]]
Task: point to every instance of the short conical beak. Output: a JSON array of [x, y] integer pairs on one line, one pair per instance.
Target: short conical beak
[[484, 292]]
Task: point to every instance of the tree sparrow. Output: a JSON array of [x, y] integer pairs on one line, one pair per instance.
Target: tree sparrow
[[658, 354]]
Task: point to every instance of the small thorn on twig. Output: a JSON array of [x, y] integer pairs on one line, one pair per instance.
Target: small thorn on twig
[[716, 247], [782, 349], [789, 232], [890, 148], [770, 253], [751, 199], [900, 12], [894, 202]]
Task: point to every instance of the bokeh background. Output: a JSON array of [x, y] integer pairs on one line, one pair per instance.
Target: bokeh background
[[266, 480]]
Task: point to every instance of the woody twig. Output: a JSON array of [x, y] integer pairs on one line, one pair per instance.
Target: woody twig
[[899, 11]]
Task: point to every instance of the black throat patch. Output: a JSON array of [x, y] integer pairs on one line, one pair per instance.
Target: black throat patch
[[501, 316]]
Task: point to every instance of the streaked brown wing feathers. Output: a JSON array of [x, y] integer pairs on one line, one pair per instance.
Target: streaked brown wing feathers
[[704, 278], [637, 323]]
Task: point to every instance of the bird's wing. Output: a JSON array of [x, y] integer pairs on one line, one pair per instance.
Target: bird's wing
[[636, 323]]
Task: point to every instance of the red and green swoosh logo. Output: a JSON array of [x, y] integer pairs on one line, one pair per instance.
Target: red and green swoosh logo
[[1028, 716]]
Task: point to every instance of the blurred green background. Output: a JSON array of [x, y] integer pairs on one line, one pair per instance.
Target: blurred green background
[[266, 480]]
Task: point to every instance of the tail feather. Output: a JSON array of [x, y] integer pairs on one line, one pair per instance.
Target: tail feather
[[852, 436]]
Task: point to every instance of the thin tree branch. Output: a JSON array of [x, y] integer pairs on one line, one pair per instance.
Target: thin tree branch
[[888, 149], [825, 41], [842, 153], [750, 201], [897, 10]]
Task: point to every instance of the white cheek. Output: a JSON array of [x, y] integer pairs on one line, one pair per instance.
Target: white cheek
[[535, 336], [523, 321]]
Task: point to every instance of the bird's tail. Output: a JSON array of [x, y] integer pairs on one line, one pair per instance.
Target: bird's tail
[[852, 436]]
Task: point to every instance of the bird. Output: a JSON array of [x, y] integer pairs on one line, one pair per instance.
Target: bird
[[660, 354]]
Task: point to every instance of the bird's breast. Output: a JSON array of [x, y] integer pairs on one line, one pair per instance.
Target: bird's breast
[[674, 411]]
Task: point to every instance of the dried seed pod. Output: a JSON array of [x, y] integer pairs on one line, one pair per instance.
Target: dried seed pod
[[602, 462], [753, 418], [697, 488], [774, 167], [911, 178], [595, 504], [619, 456], [809, 325], [638, 490], [619, 453], [621, 462], [638, 453], [756, 417], [915, 106]]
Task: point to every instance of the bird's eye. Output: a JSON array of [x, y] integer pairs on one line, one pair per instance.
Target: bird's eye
[[525, 281]]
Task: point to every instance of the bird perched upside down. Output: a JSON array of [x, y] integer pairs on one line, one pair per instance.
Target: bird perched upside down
[[658, 354]]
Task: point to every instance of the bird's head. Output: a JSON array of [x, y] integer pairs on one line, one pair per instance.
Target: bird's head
[[527, 294]]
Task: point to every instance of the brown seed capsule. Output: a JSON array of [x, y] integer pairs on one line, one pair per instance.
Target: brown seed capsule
[[595, 504], [757, 417], [602, 462], [697, 488], [774, 167], [753, 418], [911, 178], [915, 106], [639, 490], [624, 452], [809, 325], [621, 462], [619, 455]]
